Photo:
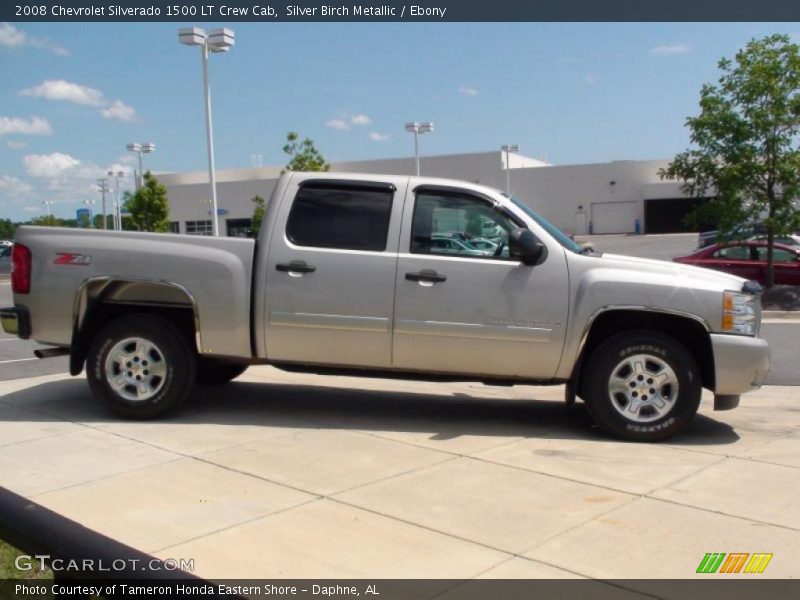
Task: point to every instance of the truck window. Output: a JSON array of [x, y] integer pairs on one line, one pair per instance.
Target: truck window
[[458, 225], [345, 218]]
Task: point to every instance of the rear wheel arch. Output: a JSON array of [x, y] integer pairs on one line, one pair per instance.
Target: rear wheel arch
[[101, 300]]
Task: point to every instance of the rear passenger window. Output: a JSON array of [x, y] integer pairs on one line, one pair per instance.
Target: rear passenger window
[[340, 217]]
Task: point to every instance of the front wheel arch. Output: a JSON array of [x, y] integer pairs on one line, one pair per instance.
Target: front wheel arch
[[689, 332]]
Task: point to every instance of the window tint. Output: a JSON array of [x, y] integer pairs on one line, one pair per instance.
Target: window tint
[[733, 253], [347, 218], [779, 255], [458, 226]]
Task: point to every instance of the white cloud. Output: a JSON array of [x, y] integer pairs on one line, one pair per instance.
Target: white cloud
[[361, 120], [671, 49], [590, 79], [339, 124], [58, 89], [49, 165], [119, 110], [32, 126], [14, 187], [15, 144], [11, 37], [468, 91], [32, 209], [378, 137]]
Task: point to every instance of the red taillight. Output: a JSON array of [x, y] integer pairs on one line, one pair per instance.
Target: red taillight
[[20, 269]]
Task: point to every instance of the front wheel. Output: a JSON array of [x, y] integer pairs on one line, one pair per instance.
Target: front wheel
[[641, 385], [140, 366]]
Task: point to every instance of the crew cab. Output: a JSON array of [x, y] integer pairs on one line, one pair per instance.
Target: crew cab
[[344, 278]]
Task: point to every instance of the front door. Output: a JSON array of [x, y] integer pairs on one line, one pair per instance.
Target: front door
[[331, 272], [467, 306]]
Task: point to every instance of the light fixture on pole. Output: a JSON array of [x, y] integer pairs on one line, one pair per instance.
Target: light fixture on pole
[[47, 206], [117, 175], [508, 149], [140, 149], [216, 40], [417, 129]]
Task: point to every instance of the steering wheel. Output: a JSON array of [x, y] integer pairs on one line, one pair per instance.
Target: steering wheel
[[499, 250]]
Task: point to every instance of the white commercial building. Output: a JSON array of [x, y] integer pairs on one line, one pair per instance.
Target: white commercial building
[[616, 197]]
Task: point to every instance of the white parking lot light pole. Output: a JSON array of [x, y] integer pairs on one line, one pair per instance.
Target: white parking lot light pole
[[117, 204], [217, 40], [509, 148], [417, 129], [140, 149]]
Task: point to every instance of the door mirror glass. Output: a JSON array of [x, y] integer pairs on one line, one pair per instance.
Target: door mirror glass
[[525, 246]]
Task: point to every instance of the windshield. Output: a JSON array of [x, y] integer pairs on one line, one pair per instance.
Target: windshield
[[559, 235]]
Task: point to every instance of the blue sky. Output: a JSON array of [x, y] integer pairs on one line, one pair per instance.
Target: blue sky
[[73, 95]]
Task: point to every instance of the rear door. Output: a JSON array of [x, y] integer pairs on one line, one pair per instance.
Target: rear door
[[331, 271]]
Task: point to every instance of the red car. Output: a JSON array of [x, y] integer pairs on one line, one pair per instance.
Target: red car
[[748, 259]]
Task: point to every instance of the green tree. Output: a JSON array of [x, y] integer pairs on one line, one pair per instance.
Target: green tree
[[148, 206], [8, 229], [46, 221], [304, 155], [746, 154], [258, 214]]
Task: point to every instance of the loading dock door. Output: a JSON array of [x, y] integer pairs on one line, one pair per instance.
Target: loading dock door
[[614, 217]]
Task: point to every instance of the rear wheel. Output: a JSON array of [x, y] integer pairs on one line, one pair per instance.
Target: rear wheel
[[140, 366], [642, 385], [214, 372]]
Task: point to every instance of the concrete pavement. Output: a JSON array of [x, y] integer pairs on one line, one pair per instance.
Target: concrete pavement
[[283, 475]]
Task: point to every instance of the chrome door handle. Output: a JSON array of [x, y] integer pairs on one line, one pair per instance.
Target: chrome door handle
[[296, 266], [426, 275]]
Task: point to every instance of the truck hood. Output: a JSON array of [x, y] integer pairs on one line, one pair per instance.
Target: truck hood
[[679, 274]]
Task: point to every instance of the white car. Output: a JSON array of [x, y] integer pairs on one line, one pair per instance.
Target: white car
[[793, 239]]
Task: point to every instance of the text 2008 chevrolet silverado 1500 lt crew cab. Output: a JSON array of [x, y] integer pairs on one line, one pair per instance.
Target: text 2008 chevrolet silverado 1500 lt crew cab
[[353, 274]]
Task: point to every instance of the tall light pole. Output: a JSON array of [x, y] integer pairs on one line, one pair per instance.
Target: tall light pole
[[508, 149], [103, 188], [140, 149], [47, 206], [117, 204], [417, 129], [88, 204], [217, 40]]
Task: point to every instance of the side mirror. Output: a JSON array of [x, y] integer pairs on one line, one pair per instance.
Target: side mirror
[[522, 244]]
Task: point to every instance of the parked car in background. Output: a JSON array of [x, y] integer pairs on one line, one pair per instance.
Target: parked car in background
[[789, 240], [748, 259], [5, 259], [452, 245], [741, 232], [484, 244]]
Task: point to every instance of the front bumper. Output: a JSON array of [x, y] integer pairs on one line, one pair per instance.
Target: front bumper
[[741, 364], [16, 320]]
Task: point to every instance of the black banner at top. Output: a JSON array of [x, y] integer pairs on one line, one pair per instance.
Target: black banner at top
[[394, 10]]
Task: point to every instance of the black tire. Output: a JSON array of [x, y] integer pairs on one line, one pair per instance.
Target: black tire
[[214, 372], [162, 347], [641, 362]]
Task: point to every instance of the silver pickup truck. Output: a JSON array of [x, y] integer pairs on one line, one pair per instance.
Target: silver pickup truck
[[389, 276]]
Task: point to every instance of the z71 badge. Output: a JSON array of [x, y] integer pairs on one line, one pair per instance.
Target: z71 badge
[[71, 258]]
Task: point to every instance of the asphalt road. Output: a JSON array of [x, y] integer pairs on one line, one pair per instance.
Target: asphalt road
[[17, 360]]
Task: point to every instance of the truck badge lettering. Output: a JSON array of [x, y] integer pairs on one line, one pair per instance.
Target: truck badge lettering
[[71, 258]]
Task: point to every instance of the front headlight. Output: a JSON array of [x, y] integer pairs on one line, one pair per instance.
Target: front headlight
[[739, 313]]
